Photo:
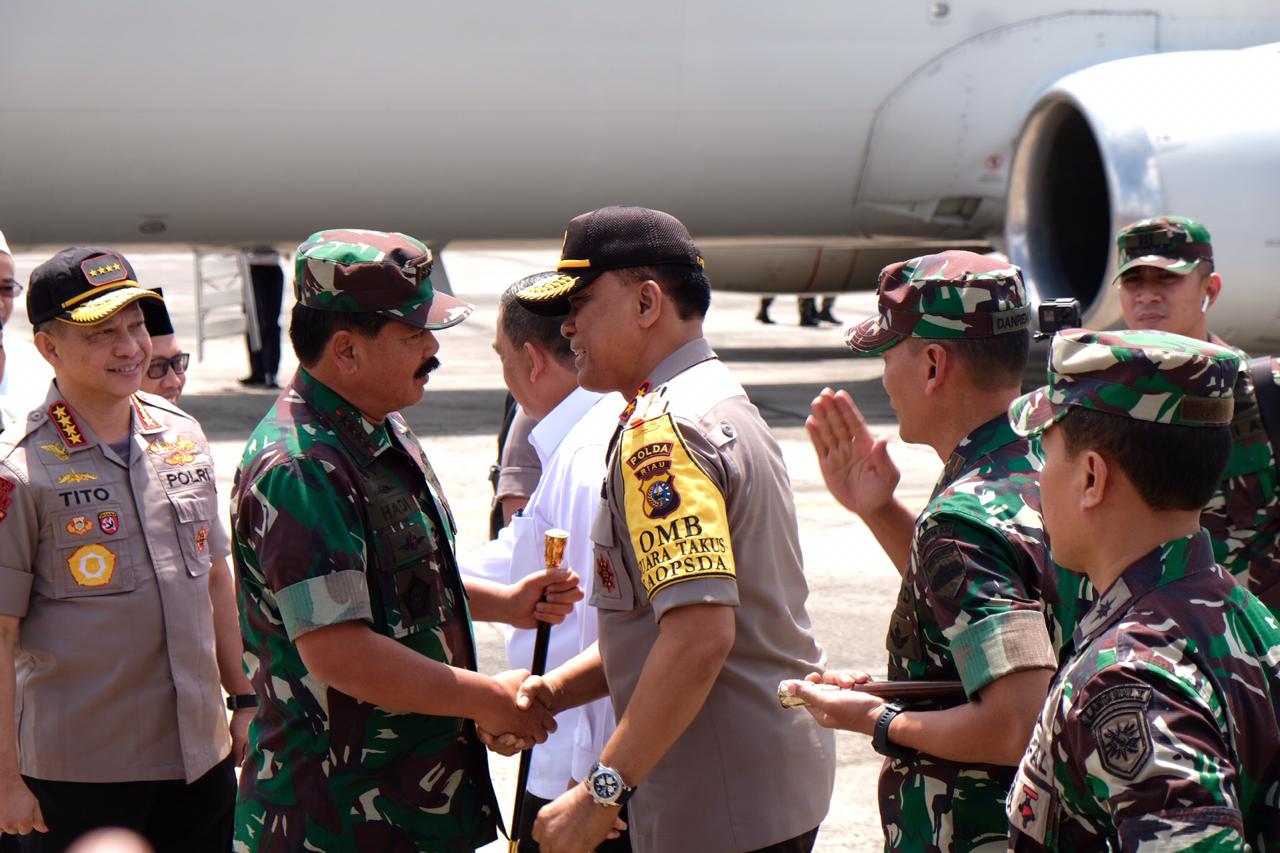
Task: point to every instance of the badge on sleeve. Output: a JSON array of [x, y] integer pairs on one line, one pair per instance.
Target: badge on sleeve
[[676, 516], [604, 571], [1118, 718], [109, 522], [79, 526], [92, 565], [202, 539], [1030, 806]]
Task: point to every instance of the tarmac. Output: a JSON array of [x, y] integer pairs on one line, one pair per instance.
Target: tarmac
[[853, 585]]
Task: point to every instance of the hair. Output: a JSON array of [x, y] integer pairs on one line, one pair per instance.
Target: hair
[[311, 328], [998, 360], [49, 327], [1171, 467], [522, 326], [684, 284]]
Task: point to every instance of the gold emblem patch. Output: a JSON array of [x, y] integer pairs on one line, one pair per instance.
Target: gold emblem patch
[[92, 565], [144, 417], [74, 476], [58, 450], [79, 526]]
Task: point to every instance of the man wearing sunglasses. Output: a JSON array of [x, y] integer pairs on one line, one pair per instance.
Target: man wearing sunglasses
[[166, 374]]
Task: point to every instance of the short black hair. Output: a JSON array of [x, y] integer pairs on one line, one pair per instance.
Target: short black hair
[[686, 285], [521, 325], [310, 329], [1171, 467], [999, 359]]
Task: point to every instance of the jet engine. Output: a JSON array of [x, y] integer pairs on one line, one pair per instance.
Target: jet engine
[[1195, 134]]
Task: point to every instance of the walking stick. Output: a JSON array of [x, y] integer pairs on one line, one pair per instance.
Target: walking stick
[[553, 556]]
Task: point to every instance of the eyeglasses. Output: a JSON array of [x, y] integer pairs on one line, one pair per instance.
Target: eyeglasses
[[160, 366], [10, 287]]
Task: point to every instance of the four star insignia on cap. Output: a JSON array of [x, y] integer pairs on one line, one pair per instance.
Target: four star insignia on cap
[[105, 269]]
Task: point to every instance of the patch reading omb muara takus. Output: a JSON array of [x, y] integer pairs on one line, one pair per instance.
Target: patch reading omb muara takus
[[675, 512]]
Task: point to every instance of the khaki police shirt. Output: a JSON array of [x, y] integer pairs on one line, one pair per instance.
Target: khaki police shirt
[[699, 510], [107, 566]]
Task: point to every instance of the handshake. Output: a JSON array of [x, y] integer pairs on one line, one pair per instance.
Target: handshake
[[523, 719]]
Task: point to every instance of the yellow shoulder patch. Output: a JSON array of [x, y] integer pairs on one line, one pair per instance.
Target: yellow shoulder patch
[[675, 512]]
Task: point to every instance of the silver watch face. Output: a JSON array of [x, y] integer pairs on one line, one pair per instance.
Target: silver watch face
[[606, 784]]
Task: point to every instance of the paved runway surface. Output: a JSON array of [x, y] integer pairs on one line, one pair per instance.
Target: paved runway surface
[[852, 584]]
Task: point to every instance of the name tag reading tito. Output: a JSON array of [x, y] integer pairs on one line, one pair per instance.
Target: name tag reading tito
[[675, 512]]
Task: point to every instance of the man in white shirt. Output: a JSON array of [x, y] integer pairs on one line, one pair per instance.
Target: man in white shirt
[[571, 439]]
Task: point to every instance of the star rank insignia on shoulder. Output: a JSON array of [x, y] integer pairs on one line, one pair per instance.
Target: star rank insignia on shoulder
[[65, 423]]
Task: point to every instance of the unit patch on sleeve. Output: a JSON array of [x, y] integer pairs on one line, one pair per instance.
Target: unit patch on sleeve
[[1118, 718], [675, 513], [92, 565]]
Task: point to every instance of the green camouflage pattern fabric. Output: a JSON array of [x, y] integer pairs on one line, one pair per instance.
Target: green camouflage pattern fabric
[[361, 271], [1137, 373], [1161, 732], [1243, 516], [949, 295], [979, 600], [1173, 243], [334, 520]]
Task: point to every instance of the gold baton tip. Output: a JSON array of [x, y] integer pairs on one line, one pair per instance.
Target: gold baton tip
[[555, 541]]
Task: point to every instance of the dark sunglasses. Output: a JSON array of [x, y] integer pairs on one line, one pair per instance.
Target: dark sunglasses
[[160, 366]]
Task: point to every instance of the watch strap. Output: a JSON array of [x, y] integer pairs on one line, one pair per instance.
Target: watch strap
[[880, 735], [624, 790], [242, 700]]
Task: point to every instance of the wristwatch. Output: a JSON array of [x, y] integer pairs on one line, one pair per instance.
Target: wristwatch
[[606, 787], [242, 700], [880, 735]]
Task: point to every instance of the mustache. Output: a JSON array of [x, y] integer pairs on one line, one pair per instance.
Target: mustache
[[427, 366]]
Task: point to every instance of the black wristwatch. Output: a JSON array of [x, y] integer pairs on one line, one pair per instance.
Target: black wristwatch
[[880, 735], [242, 700], [606, 787]]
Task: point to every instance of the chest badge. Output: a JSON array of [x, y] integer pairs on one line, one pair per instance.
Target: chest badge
[[92, 565], [74, 476], [79, 526], [58, 449], [109, 522]]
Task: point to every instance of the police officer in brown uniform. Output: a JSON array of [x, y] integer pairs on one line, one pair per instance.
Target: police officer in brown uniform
[[699, 579], [110, 708]]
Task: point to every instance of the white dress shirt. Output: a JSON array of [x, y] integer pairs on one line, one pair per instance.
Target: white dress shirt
[[571, 441]]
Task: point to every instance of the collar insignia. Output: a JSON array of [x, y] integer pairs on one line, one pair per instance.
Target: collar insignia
[[65, 423]]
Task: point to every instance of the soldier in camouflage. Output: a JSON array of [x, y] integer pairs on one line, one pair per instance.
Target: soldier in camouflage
[[1167, 282], [357, 633], [979, 601], [1160, 733]]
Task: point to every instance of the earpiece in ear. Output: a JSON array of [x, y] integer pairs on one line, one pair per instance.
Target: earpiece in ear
[[1204, 304]]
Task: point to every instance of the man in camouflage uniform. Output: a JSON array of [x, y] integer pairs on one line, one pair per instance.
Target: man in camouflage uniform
[[979, 600], [1167, 282], [357, 633], [1160, 733]]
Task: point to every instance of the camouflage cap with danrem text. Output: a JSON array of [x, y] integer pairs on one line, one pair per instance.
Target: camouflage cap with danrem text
[[952, 294], [1173, 243], [1142, 374], [373, 272]]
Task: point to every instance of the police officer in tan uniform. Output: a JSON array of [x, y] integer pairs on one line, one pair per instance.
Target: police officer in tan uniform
[[698, 574], [110, 708]]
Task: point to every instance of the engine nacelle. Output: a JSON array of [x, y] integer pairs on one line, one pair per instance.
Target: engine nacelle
[[1195, 134]]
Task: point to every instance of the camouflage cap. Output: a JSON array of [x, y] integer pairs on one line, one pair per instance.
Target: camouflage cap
[[952, 294], [1139, 373], [83, 285], [373, 272], [1173, 243]]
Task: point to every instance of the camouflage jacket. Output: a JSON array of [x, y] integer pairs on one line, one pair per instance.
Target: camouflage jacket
[[975, 605], [1161, 732], [1243, 517], [334, 520]]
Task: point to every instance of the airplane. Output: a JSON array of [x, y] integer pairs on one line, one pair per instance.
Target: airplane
[[805, 144]]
